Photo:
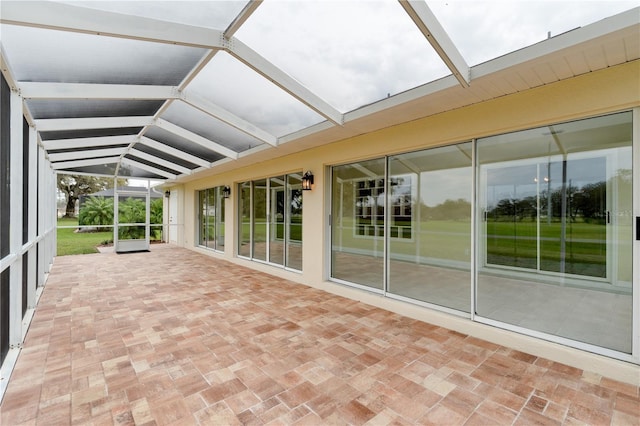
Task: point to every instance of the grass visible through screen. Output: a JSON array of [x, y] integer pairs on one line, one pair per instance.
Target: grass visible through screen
[[70, 242]]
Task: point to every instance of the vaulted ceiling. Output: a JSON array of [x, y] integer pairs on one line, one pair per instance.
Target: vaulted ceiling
[[127, 95]]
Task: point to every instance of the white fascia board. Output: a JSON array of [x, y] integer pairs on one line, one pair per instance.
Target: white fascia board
[[88, 142], [625, 21], [35, 90], [144, 140], [53, 124], [159, 161], [436, 35], [242, 17], [91, 153], [65, 17], [252, 59], [148, 168], [82, 163], [233, 120], [195, 138]]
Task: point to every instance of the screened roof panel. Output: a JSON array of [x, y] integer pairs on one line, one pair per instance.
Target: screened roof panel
[[57, 56], [183, 144], [484, 30], [83, 108], [209, 127], [101, 169], [128, 170], [349, 53], [89, 133], [164, 156], [152, 164], [212, 14], [227, 82], [81, 148]]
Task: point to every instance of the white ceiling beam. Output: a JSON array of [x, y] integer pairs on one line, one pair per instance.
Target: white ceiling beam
[[431, 28], [66, 17], [259, 64], [83, 163], [33, 90], [6, 70], [233, 120], [174, 152], [53, 124], [159, 161], [89, 153], [88, 142], [195, 138], [148, 168], [241, 18]]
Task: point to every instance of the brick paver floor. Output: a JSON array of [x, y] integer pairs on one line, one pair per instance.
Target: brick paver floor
[[175, 337]]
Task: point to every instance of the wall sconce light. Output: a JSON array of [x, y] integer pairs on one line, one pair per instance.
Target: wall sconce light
[[307, 181], [226, 192], [167, 194]]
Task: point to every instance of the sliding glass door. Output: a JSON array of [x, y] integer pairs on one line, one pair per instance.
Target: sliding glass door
[[271, 220]]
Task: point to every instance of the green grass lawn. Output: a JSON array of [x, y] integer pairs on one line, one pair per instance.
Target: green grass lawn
[[70, 242]]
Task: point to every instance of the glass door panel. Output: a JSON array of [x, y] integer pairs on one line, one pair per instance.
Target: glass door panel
[[220, 209], [293, 256], [357, 231], [211, 218], [554, 234], [430, 226], [245, 219], [277, 215], [260, 219], [202, 208]]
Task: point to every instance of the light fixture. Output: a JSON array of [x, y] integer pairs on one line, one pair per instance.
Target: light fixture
[[166, 194], [226, 192], [307, 181]]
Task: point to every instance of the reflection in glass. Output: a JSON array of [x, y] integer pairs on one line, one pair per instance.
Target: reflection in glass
[[430, 226], [357, 231], [293, 256], [211, 225], [210, 217], [244, 209], [555, 230], [277, 217], [259, 210]]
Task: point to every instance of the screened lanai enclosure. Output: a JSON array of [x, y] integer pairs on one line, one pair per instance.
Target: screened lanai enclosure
[[474, 159]]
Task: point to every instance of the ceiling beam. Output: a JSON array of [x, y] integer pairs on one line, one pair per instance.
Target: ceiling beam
[[231, 119], [195, 138], [88, 153], [262, 66], [241, 18], [159, 161], [436, 35], [62, 165], [34, 90], [87, 142], [53, 124], [134, 163], [64, 17], [174, 152]]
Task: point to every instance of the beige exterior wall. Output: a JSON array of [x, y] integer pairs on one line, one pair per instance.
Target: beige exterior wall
[[610, 90]]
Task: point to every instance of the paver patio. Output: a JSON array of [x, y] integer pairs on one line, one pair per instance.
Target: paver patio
[[176, 337]]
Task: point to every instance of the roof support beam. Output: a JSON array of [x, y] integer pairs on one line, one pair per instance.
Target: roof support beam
[[195, 138], [87, 142], [53, 124], [174, 152], [430, 27], [259, 64], [241, 18], [65, 17], [148, 168], [159, 161], [62, 165], [31, 90], [90, 153], [231, 119]]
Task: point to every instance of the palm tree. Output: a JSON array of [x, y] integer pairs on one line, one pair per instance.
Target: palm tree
[[96, 211]]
